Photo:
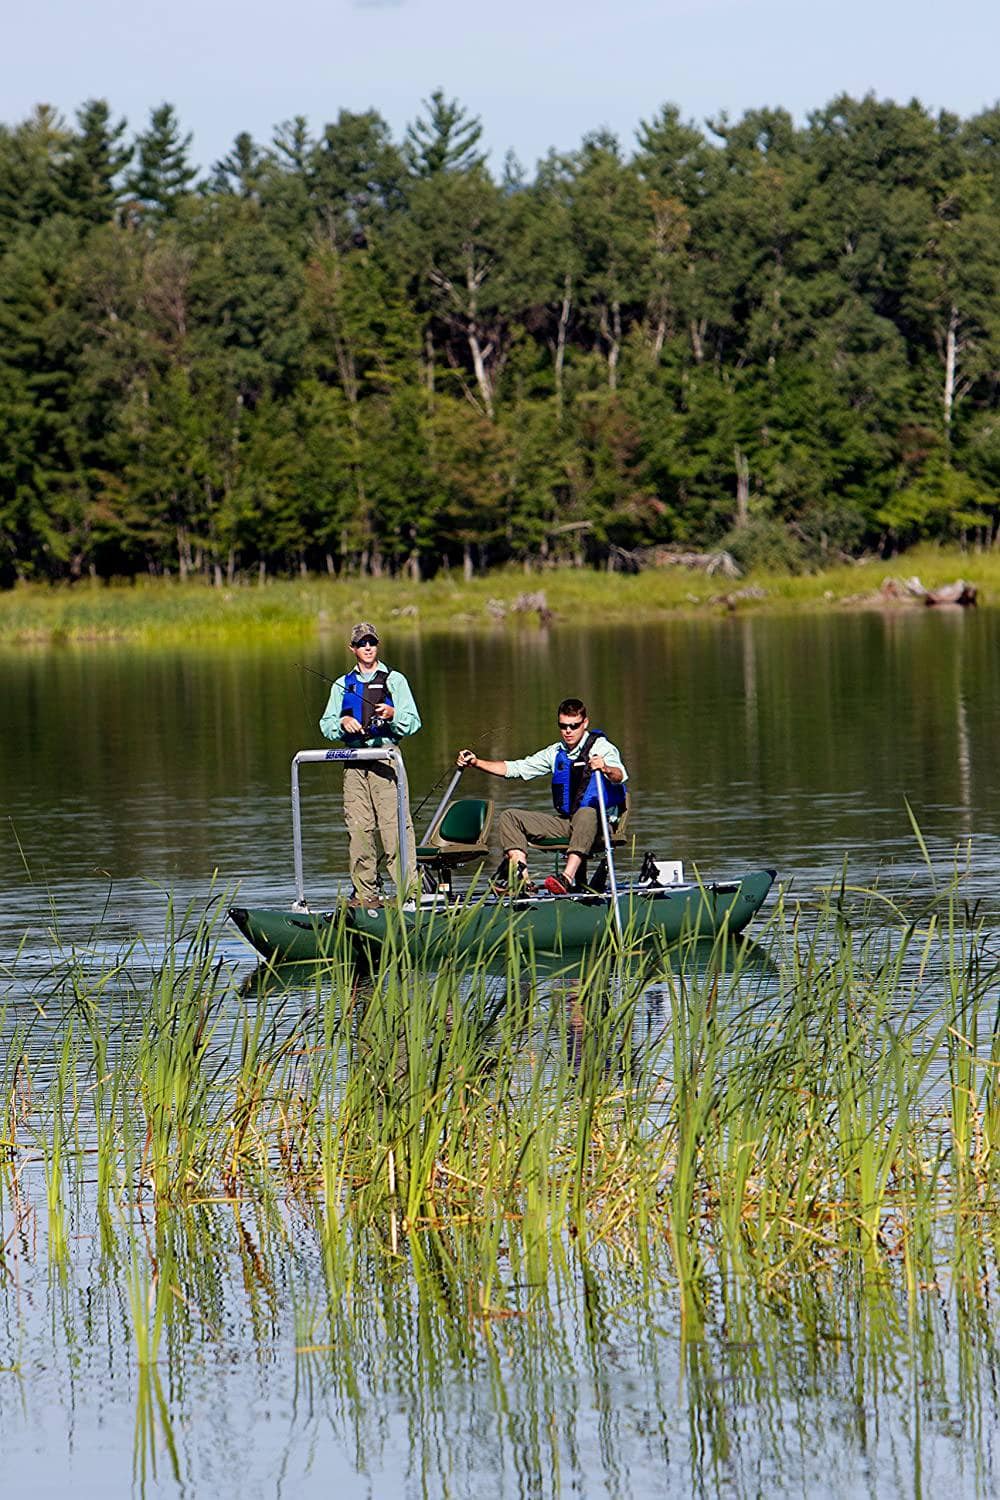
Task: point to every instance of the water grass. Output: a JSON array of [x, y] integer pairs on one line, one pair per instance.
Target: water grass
[[729, 1122], [761, 1130]]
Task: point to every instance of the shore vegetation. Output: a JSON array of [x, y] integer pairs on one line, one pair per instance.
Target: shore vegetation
[[160, 611]]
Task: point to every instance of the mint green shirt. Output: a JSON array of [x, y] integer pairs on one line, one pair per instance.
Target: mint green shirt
[[405, 720], [543, 762]]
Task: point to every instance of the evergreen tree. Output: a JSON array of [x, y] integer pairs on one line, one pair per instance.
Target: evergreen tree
[[242, 171], [287, 185], [32, 162], [163, 173], [353, 353], [444, 140], [94, 162]]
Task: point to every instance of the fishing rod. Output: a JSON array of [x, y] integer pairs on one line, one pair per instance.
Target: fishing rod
[[450, 770], [495, 729], [331, 680]]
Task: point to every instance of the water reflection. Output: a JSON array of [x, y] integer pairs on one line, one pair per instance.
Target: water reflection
[[408, 1380]]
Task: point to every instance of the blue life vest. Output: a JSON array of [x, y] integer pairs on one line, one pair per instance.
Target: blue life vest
[[574, 784], [360, 702]]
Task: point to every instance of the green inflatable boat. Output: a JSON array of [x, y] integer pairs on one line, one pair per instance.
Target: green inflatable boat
[[546, 924], [660, 904]]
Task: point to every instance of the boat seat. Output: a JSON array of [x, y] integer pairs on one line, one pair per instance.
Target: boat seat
[[616, 830], [459, 836]]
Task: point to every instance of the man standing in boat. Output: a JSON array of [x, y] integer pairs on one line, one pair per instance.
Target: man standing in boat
[[371, 706], [573, 763]]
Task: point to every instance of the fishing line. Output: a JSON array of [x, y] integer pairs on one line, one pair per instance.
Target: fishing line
[[450, 769], [305, 702]]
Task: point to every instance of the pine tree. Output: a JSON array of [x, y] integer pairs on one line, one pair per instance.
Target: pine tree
[[94, 161], [242, 171], [32, 159], [163, 173], [444, 141]]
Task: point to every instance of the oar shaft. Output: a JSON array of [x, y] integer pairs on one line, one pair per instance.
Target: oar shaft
[[453, 783], [609, 853]]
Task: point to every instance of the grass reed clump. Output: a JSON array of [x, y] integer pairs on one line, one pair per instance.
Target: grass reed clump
[[717, 1110]]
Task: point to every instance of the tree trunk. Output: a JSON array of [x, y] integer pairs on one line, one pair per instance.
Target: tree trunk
[[467, 568], [560, 361], [697, 339], [742, 486], [950, 349], [482, 378], [612, 331]]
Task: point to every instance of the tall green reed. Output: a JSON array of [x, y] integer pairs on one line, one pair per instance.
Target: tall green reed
[[753, 1111]]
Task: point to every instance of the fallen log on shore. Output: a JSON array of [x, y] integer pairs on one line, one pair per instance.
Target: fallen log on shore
[[622, 560], [960, 594]]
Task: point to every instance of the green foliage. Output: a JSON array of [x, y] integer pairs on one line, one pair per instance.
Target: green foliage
[[346, 352], [941, 502], [766, 544], [94, 162]]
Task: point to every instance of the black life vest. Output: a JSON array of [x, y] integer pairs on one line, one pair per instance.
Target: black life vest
[[574, 784], [360, 702]]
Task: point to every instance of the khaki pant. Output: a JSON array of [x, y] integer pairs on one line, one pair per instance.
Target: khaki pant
[[517, 828], [370, 809]]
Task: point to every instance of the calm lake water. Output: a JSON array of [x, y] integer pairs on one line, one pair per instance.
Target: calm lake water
[[757, 741], [127, 774]]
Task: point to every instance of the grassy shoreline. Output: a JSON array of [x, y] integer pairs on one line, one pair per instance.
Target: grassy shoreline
[[165, 610]]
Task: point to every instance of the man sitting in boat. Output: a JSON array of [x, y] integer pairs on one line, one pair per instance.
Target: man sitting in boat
[[371, 705], [573, 763]]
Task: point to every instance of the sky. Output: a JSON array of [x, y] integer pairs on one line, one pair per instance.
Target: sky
[[539, 73]]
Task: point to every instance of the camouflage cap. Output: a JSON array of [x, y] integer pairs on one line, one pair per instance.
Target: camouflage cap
[[359, 632]]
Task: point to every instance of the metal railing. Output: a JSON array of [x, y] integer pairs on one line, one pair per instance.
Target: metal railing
[[387, 753]]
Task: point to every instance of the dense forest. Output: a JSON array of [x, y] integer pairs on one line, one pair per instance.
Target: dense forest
[[350, 353]]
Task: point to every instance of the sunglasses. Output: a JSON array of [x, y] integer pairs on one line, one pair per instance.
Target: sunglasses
[[367, 640], [575, 724]]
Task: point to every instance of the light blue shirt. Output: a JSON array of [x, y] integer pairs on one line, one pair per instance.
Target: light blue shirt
[[405, 719], [543, 762]]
